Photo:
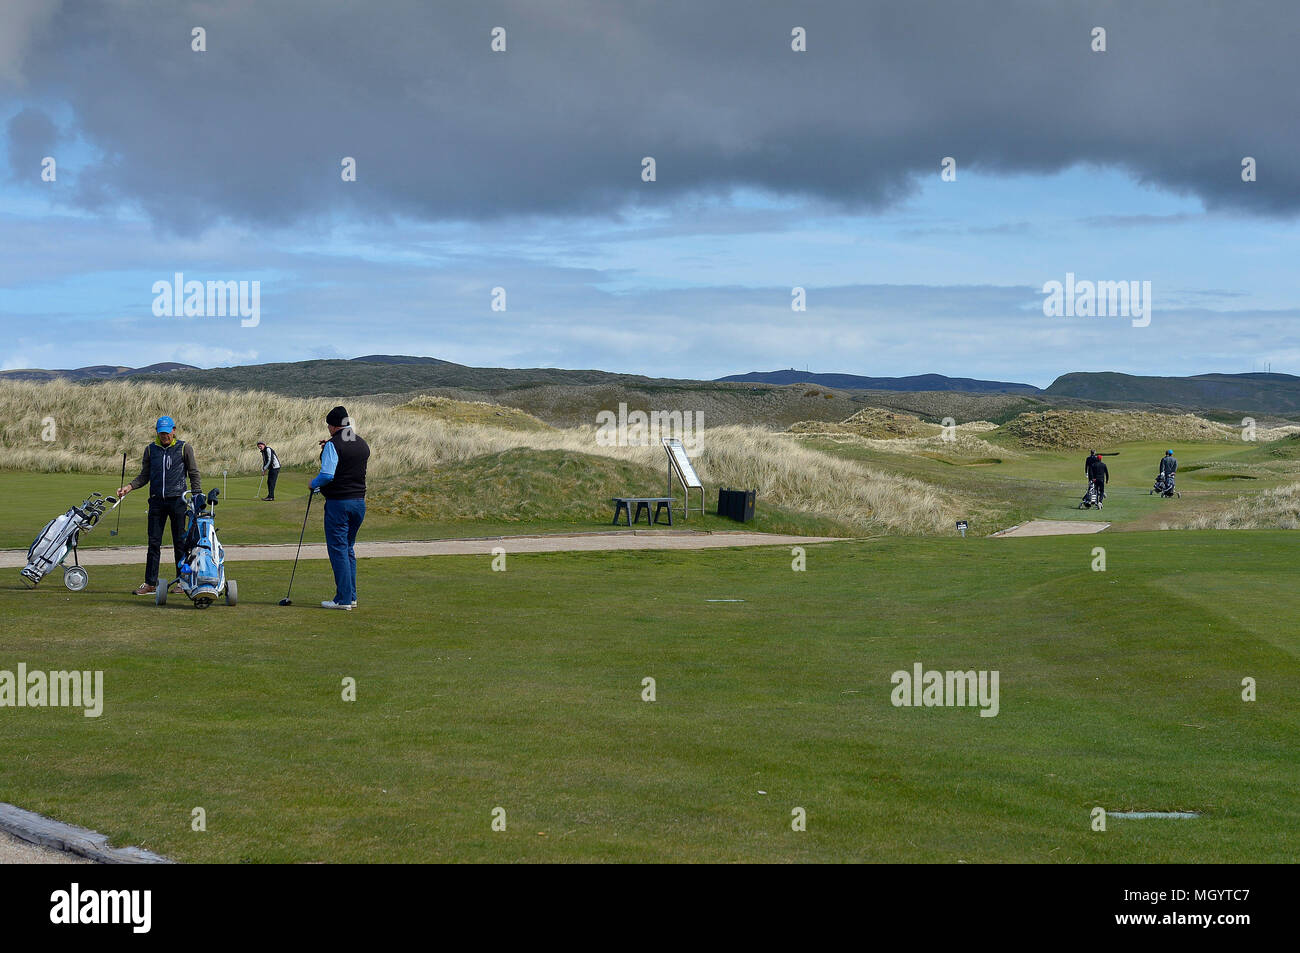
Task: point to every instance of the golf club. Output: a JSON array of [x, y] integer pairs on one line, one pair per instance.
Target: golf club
[[259, 485], [113, 532], [286, 601]]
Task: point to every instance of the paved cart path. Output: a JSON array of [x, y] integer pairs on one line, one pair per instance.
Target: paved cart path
[[557, 543], [1054, 528]]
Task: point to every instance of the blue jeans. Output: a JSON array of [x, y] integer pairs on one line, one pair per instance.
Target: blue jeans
[[342, 520]]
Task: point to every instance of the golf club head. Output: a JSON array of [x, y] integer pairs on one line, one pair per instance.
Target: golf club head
[[286, 602]]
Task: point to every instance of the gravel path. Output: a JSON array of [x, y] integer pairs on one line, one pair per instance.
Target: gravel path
[[578, 542], [15, 851]]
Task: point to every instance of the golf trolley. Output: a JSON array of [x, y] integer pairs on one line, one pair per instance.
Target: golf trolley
[[1165, 487], [202, 576], [1092, 497], [60, 537]]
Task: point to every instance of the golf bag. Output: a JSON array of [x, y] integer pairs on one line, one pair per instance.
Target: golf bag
[[202, 576], [60, 537], [1092, 497], [1165, 486]]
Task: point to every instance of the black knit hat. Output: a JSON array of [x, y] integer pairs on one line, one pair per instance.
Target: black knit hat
[[337, 416]]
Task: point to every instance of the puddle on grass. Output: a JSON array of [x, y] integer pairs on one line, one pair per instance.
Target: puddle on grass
[[1147, 815]]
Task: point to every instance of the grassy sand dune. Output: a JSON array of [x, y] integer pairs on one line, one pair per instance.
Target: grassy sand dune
[[1085, 430], [92, 425], [1274, 508], [871, 422]]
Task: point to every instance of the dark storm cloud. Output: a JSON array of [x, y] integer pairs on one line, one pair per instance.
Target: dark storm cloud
[[31, 135], [253, 129]]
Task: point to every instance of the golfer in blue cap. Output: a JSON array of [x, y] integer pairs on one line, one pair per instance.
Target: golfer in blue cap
[[168, 462]]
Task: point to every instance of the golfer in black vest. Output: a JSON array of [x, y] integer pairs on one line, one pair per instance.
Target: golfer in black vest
[[271, 467], [342, 481], [166, 465]]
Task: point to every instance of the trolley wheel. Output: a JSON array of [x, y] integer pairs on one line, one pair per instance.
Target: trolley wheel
[[161, 596], [232, 592], [75, 578]]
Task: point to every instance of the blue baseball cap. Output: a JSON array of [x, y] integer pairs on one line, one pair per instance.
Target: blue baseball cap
[[165, 425], [1169, 453]]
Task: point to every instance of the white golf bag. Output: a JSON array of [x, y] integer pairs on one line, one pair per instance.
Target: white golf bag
[[60, 537]]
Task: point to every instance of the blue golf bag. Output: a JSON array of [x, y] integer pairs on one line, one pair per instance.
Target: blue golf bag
[[202, 576]]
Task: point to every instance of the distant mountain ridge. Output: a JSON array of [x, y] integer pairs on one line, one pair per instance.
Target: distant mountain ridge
[[400, 359], [917, 382], [1257, 393], [95, 372]]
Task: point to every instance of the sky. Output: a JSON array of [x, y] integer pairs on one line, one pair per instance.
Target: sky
[[522, 169]]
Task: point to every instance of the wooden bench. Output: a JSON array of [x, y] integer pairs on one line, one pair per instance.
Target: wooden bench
[[623, 504]]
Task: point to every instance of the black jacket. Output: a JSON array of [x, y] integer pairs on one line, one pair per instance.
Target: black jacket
[[1096, 470]]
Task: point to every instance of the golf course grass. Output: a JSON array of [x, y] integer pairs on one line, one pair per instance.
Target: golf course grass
[[478, 689], [1049, 484]]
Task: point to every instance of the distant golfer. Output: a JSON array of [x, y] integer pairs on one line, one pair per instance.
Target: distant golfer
[[1168, 465], [167, 463], [271, 467], [1097, 473], [342, 481]]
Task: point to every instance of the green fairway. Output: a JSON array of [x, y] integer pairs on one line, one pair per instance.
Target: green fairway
[[523, 690], [1049, 484]]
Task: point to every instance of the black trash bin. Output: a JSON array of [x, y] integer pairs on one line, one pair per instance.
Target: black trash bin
[[737, 504]]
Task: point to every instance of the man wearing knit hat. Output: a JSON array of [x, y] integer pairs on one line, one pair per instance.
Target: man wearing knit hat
[[342, 481]]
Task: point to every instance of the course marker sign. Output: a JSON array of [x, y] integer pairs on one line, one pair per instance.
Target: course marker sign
[[678, 461]]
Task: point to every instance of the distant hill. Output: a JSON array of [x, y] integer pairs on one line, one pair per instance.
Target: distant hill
[[400, 359], [565, 397], [97, 372], [1249, 393], [386, 373], [918, 382]]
